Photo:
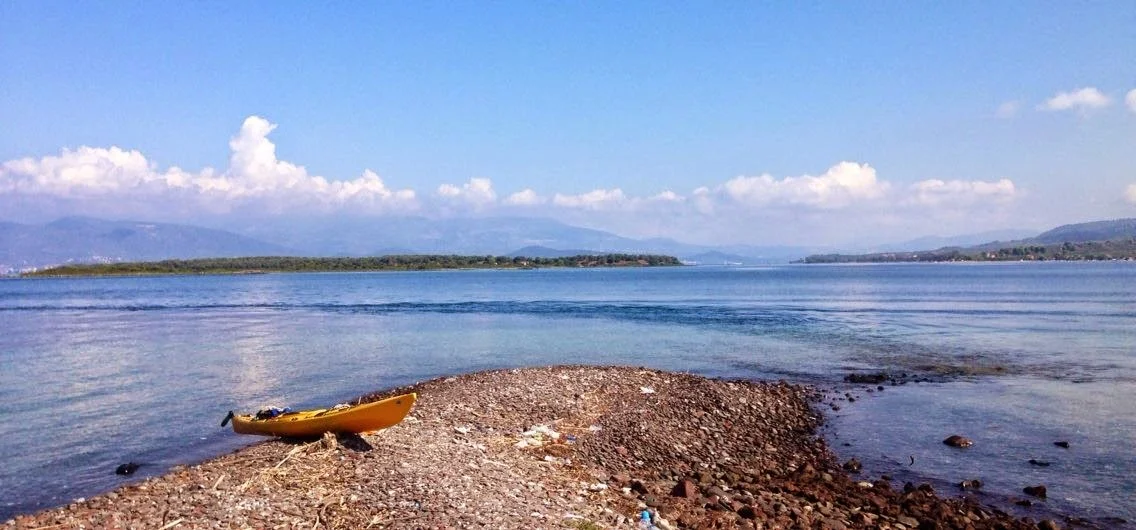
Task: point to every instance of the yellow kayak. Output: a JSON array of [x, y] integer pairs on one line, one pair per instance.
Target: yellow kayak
[[358, 418]]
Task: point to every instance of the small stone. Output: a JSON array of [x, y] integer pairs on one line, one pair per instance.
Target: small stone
[[638, 487], [1062, 444], [852, 465], [955, 440], [1037, 491], [127, 469], [747, 512], [1048, 524], [908, 521]]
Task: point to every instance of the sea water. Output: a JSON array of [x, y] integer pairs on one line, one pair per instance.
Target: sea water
[[96, 372]]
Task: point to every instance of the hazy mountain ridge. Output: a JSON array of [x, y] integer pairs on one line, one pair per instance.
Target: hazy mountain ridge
[[1112, 239], [86, 240], [963, 240]]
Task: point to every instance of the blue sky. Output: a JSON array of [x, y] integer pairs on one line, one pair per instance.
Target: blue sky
[[718, 122]]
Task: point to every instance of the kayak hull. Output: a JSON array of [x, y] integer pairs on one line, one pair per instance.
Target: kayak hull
[[359, 418]]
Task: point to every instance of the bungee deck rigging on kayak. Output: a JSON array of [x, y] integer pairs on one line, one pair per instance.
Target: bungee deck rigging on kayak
[[351, 418]]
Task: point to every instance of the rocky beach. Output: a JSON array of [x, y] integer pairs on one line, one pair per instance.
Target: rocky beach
[[558, 447]]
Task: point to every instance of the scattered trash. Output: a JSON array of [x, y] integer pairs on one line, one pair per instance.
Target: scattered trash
[[462, 429], [536, 436], [646, 390], [595, 428], [598, 486], [570, 439]]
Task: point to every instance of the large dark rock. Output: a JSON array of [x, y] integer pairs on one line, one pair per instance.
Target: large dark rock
[[1037, 491], [955, 440], [127, 469], [971, 484], [685, 488], [870, 379]]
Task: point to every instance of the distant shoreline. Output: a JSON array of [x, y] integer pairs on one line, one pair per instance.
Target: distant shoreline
[[284, 264], [1111, 250]]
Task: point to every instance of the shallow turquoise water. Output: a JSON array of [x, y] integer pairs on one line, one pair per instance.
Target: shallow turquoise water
[[93, 370]]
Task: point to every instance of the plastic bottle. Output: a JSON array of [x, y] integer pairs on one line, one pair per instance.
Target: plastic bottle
[[645, 521]]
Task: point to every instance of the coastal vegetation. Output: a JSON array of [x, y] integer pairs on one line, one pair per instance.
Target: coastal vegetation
[[1121, 249], [265, 264]]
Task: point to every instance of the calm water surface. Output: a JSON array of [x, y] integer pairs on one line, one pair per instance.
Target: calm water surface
[[97, 372]]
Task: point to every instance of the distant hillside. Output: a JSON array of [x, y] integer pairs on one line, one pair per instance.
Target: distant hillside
[[87, 240], [545, 252], [720, 258], [1099, 240], [964, 240], [1094, 231], [346, 236]]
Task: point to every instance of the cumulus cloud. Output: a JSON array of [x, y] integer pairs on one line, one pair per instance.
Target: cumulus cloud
[[1130, 100], [841, 185], [478, 192], [1083, 99], [599, 199], [255, 175], [935, 192], [525, 197], [1130, 193], [122, 182], [1009, 109]]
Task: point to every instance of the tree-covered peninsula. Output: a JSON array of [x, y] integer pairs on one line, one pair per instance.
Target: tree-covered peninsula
[[267, 264], [1067, 251]]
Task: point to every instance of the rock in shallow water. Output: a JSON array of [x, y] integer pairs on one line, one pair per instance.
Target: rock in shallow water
[[1037, 491], [955, 440]]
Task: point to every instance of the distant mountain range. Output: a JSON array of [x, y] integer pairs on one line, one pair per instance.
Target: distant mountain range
[[966, 240], [90, 240], [1097, 240]]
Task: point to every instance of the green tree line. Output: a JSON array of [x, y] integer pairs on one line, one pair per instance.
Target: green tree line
[[265, 264], [1120, 249]]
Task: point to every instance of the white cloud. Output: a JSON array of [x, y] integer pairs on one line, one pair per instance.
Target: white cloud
[[525, 197], [1130, 193], [1083, 99], [955, 193], [1130, 100], [667, 196], [255, 176], [1009, 109], [478, 192], [846, 198], [593, 200], [841, 185]]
